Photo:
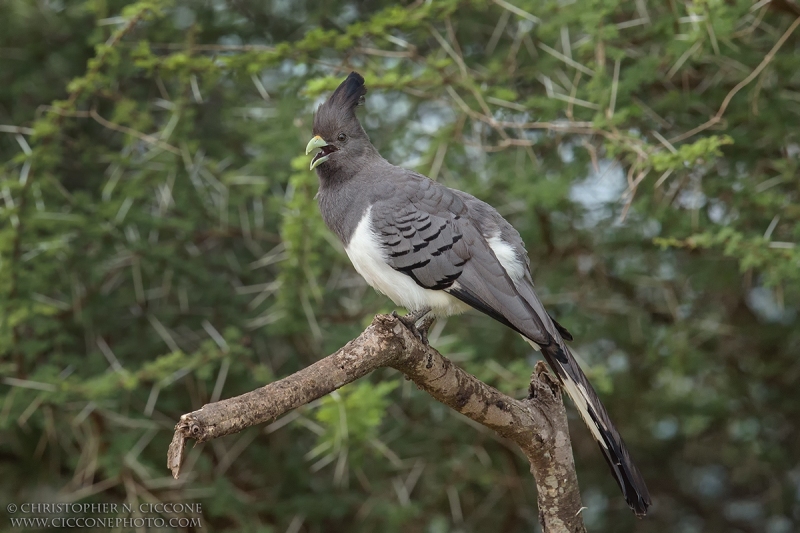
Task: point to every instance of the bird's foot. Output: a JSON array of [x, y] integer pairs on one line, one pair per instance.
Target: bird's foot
[[418, 322], [424, 325]]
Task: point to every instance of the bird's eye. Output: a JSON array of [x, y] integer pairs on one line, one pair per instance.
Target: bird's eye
[[342, 137]]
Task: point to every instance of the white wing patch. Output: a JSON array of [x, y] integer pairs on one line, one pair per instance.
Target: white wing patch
[[505, 253], [369, 259]]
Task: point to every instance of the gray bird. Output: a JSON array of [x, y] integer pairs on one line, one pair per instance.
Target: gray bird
[[437, 250]]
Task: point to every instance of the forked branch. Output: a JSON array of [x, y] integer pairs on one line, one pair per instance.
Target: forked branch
[[537, 424]]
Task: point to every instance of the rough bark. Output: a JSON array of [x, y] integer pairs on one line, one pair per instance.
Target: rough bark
[[537, 424]]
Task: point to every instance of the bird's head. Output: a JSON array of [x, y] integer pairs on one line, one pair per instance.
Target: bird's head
[[338, 135]]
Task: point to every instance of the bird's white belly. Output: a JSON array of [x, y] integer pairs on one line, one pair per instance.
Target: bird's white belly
[[369, 259]]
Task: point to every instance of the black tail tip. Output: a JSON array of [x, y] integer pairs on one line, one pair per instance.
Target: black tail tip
[[639, 505], [625, 473], [635, 493]]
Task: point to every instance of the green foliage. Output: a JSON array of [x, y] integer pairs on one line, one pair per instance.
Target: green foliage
[[702, 151], [161, 247], [776, 261], [353, 414]]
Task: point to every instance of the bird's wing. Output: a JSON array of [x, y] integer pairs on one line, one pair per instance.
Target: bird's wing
[[429, 234], [428, 247]]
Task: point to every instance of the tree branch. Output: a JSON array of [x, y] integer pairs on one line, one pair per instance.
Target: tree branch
[[537, 424]]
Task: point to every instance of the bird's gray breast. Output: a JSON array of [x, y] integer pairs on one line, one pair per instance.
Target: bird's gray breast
[[342, 207]]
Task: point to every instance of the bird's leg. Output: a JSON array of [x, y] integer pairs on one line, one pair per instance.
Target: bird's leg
[[418, 322], [423, 325]]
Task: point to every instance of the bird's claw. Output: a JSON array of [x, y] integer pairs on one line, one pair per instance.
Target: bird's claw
[[417, 323], [425, 325]]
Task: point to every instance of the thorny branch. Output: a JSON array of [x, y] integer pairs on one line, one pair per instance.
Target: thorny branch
[[631, 143], [764, 62], [537, 424], [74, 96]]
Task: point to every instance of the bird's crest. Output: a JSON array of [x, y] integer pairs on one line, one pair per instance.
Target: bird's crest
[[349, 94]]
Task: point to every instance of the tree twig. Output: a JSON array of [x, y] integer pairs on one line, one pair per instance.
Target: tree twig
[[537, 424], [739, 86]]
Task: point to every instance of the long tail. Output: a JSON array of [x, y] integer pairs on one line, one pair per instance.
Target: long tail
[[485, 285], [596, 418]]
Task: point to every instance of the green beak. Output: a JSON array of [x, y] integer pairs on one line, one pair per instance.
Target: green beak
[[313, 144]]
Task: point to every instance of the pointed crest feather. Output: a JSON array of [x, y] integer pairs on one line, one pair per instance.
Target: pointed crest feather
[[349, 94]]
